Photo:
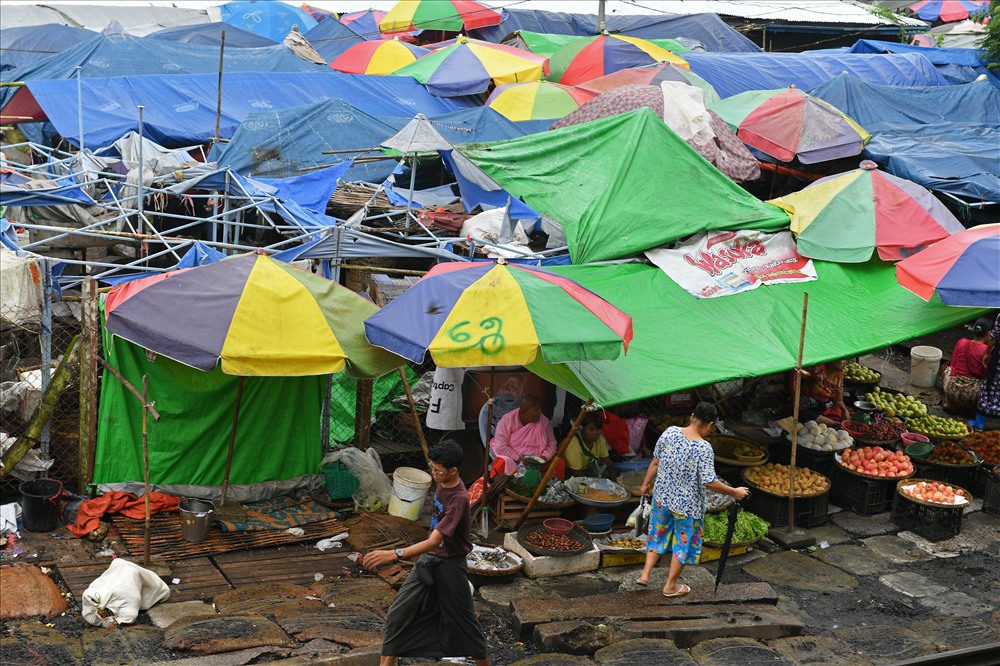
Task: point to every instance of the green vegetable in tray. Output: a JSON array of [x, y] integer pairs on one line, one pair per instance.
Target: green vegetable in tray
[[749, 526]]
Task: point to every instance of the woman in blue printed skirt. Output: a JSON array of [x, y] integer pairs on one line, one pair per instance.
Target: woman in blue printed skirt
[[989, 390]]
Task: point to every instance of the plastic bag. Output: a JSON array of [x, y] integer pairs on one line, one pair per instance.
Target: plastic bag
[[374, 487], [117, 596], [639, 518]]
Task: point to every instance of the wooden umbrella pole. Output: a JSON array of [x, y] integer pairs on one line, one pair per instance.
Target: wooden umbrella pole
[[145, 464], [486, 444], [552, 465], [218, 102], [795, 416], [232, 440], [416, 416]]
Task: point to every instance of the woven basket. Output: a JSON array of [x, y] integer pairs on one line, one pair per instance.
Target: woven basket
[[870, 477], [798, 497], [937, 505]]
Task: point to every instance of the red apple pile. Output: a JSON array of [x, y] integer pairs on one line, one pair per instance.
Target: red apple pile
[[934, 491], [876, 461]]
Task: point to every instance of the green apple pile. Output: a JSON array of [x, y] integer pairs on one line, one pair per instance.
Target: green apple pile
[[896, 404], [938, 426], [855, 372]]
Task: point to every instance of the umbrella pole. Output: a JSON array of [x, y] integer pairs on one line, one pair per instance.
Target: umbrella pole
[[416, 417], [145, 465], [548, 473], [232, 440], [486, 454]]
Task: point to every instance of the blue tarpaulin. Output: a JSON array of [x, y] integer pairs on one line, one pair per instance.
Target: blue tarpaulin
[[331, 38], [731, 74], [944, 138], [960, 65], [210, 34], [180, 110], [23, 46], [708, 29], [268, 18]]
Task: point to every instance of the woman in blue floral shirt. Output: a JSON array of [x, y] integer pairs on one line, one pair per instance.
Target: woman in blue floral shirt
[[683, 466]]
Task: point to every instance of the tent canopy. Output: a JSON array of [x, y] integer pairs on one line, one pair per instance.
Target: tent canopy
[[621, 185], [24, 46], [944, 138], [965, 64], [331, 38], [853, 309], [210, 34], [730, 74]]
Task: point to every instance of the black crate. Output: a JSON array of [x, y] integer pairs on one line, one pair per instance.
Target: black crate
[[981, 480], [964, 477], [809, 511], [862, 496], [931, 522], [818, 461], [991, 493]]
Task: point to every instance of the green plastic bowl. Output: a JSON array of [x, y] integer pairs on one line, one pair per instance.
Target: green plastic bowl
[[919, 449]]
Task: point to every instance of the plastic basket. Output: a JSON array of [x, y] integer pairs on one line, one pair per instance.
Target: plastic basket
[[931, 522], [809, 511], [818, 461], [864, 497], [340, 481], [991, 494], [964, 476]]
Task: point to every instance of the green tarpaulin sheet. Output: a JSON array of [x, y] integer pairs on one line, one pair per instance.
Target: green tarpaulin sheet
[[681, 342], [546, 44], [278, 435], [621, 185], [343, 401]]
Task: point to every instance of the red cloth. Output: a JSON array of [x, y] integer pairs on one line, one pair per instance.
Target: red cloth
[[116, 501], [615, 430], [967, 359]]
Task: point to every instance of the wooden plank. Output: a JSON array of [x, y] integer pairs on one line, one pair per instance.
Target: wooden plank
[[757, 621], [298, 568], [199, 579]]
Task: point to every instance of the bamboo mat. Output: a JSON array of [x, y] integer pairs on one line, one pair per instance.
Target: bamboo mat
[[166, 542]]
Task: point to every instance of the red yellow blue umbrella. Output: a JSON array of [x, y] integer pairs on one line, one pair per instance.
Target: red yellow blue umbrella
[[588, 58], [536, 100], [377, 57], [444, 15], [964, 269]]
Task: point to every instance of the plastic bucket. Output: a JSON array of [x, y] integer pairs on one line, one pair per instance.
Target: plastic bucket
[[196, 518], [409, 488], [924, 364], [40, 504]]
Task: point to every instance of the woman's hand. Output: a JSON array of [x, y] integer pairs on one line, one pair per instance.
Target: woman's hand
[[378, 558], [740, 493], [644, 490]]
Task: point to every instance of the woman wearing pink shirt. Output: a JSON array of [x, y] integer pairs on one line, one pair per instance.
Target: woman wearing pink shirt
[[523, 432]]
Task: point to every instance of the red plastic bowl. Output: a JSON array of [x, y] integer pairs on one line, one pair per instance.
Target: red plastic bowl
[[557, 526]]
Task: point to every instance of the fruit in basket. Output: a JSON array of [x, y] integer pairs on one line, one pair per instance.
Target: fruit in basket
[[896, 404], [661, 422], [986, 444], [934, 491], [878, 431], [952, 453], [774, 478], [825, 439], [876, 461], [939, 426], [854, 372]]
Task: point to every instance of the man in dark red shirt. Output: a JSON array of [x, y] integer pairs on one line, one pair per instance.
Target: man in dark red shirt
[[433, 615]]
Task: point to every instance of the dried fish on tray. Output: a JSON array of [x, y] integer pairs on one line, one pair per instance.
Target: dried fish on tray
[[488, 561], [623, 542]]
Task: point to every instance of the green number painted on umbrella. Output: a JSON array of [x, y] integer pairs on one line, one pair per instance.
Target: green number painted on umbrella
[[492, 343]]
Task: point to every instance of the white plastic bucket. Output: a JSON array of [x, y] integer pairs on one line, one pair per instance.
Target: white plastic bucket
[[409, 488], [924, 365]]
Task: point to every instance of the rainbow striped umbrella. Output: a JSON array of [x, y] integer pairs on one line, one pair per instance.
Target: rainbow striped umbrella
[[365, 23], [789, 123], [948, 10], [650, 75], [444, 15], [588, 58], [964, 269], [379, 57], [467, 67], [485, 313], [536, 100], [848, 216]]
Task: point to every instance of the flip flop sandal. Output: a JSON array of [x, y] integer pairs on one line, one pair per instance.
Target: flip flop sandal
[[642, 583], [681, 591]]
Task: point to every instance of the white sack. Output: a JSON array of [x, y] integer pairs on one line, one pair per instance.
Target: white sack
[[117, 596], [445, 409]]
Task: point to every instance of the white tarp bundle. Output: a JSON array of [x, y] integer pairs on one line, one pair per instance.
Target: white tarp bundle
[[20, 289]]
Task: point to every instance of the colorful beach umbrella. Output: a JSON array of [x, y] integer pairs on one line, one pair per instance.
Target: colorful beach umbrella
[[789, 123], [254, 315], [964, 269], [849, 216], [469, 66], [365, 24], [651, 75], [948, 10], [317, 13], [588, 58], [267, 18], [536, 100], [379, 57], [485, 313], [444, 15]]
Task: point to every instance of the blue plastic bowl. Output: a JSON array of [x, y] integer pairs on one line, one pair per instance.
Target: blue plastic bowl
[[634, 465], [599, 522]]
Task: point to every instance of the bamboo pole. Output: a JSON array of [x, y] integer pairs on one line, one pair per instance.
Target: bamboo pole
[[218, 103], [88, 381], [795, 416], [145, 465], [552, 464], [128, 386], [416, 417], [232, 440], [363, 412]]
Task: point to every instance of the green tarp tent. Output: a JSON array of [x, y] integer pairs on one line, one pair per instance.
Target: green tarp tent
[[681, 342], [621, 185]]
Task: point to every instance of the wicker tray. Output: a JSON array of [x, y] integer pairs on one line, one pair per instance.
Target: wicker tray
[[798, 497], [539, 504], [877, 442], [940, 438], [871, 477], [976, 460], [736, 544], [577, 533], [498, 573], [938, 505], [725, 444], [858, 382]]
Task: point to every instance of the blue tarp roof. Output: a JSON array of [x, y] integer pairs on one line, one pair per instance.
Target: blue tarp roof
[[180, 110], [268, 18], [210, 34], [961, 64], [282, 142], [731, 74], [127, 55], [331, 38], [944, 138], [23, 46], [708, 29]]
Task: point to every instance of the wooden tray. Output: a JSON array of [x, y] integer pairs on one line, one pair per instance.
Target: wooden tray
[[937, 505], [577, 533], [723, 445], [768, 492], [837, 459]]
